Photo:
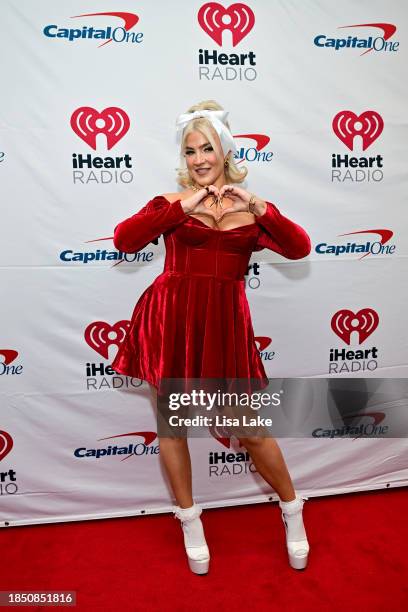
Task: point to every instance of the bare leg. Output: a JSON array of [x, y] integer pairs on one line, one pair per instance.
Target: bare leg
[[175, 456], [269, 461]]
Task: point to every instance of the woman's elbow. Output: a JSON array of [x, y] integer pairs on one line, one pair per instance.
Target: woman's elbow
[[120, 243], [302, 249]]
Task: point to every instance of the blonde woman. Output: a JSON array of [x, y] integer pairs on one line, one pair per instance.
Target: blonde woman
[[194, 320]]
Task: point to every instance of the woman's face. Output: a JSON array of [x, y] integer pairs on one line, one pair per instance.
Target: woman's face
[[204, 165]]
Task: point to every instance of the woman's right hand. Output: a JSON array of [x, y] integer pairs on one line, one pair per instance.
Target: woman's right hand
[[195, 203]]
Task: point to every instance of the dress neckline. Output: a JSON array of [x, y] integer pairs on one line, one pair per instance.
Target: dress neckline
[[213, 229], [232, 229]]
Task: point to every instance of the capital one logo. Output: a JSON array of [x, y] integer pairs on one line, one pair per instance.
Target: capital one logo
[[112, 122], [251, 154], [379, 246], [376, 247], [129, 21], [262, 342], [8, 364], [148, 438], [377, 418], [368, 125], [370, 43], [364, 322], [118, 34], [99, 335], [9, 355], [6, 444], [214, 19]]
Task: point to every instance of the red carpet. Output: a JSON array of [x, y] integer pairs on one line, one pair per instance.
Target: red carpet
[[358, 559]]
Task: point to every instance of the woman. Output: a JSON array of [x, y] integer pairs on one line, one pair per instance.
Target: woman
[[194, 320]]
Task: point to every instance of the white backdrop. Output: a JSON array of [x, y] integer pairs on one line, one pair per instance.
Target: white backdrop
[[303, 85]]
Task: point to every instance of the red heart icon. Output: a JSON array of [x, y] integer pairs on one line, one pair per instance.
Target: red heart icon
[[6, 444], [223, 436], [113, 122], [97, 335], [368, 125], [214, 19], [364, 322]]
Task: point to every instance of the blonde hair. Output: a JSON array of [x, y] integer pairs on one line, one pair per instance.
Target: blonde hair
[[233, 174]]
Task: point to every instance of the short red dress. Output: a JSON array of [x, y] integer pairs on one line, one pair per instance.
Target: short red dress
[[194, 320]]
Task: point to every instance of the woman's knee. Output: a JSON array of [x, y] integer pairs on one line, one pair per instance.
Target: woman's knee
[[176, 441], [153, 392]]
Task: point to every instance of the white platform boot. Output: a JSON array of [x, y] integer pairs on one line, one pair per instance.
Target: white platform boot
[[197, 551], [296, 539]]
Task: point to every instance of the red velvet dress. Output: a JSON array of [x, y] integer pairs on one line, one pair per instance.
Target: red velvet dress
[[194, 321]]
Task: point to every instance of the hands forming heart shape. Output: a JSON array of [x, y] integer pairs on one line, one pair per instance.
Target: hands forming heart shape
[[239, 197]]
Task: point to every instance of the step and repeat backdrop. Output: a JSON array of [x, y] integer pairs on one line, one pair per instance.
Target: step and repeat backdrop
[[316, 94]]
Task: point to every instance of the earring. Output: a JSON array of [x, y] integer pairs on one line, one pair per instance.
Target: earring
[[226, 163]]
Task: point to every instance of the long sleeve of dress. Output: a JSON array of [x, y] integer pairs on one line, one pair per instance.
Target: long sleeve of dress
[[282, 235], [157, 217]]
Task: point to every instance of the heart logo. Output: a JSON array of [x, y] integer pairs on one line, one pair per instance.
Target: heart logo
[[368, 125], [6, 444], [100, 336], [365, 321], [87, 123], [214, 19], [223, 436]]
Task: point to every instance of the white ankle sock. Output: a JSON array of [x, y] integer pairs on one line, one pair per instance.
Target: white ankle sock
[[296, 528], [186, 513], [290, 504], [194, 533], [193, 528]]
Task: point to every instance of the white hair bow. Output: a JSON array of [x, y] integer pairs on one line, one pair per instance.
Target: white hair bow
[[216, 118]]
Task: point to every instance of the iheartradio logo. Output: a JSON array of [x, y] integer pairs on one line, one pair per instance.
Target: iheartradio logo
[[112, 122], [368, 126], [347, 125], [214, 19], [364, 322], [346, 360], [88, 123], [239, 20], [253, 153], [6, 444], [99, 335]]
